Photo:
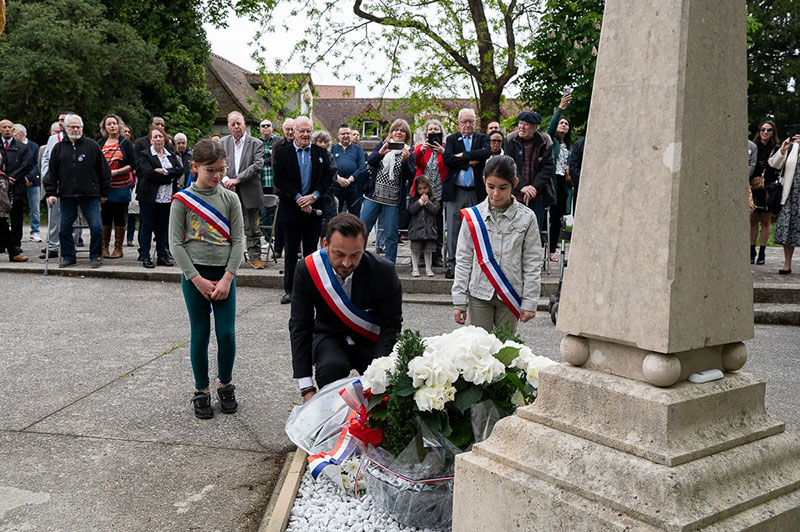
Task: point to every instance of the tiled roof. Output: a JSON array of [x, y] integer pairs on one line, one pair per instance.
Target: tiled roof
[[327, 92]]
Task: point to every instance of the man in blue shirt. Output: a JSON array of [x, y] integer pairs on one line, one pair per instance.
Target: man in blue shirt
[[350, 162]]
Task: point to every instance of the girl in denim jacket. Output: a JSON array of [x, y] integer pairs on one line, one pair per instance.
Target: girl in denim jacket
[[500, 281]]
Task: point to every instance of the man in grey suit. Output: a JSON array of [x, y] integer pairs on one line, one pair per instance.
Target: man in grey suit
[[245, 158]]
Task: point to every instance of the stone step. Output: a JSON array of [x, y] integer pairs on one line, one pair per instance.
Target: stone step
[[777, 314], [776, 293]]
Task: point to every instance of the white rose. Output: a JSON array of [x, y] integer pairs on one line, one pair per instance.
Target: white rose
[[432, 370], [482, 370], [434, 397], [533, 366], [376, 375]]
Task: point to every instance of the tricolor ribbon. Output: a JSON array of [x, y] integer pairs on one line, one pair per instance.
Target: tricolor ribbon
[[487, 262], [330, 288], [205, 211]]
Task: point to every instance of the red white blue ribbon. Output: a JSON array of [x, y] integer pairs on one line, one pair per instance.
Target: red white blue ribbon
[[487, 262], [205, 211], [330, 288]]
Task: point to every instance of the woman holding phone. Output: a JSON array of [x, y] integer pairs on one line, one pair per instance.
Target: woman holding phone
[[391, 166], [429, 162], [787, 229]]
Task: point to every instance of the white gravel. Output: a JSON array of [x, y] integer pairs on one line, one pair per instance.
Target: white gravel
[[321, 507]]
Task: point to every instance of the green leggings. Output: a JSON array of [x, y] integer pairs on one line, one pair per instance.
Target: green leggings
[[200, 322]]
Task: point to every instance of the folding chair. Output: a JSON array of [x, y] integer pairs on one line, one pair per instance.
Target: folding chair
[[270, 201], [545, 235]]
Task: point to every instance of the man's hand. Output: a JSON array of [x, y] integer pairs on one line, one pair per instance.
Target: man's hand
[[103, 200], [460, 316], [308, 395], [230, 184], [343, 182], [28, 182], [306, 201], [525, 316], [11, 180], [529, 193], [52, 200]]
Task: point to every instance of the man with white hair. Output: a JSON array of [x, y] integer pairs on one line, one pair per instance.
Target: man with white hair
[[54, 212], [303, 173], [288, 137], [32, 182], [184, 156], [78, 176], [245, 160], [15, 165], [465, 154]]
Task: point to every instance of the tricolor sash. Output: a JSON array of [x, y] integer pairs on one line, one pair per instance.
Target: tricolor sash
[[205, 211], [487, 262], [361, 322]]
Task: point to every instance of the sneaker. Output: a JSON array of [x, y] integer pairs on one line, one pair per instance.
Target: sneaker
[[95, 263], [50, 255], [429, 273], [35, 237], [227, 399], [415, 273], [202, 405], [257, 264]]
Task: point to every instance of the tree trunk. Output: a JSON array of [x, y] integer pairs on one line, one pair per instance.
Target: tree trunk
[[489, 107]]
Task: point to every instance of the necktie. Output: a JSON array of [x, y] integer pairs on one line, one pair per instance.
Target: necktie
[[468, 178], [6, 145]]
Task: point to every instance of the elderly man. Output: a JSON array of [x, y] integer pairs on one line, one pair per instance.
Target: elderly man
[[532, 150], [287, 139], [344, 275], [493, 126], [303, 173], [54, 213], [32, 182], [184, 156], [78, 176], [143, 143], [245, 160], [16, 164], [465, 154], [350, 162]]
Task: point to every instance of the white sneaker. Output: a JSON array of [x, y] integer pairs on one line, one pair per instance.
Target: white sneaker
[[264, 246], [429, 273], [35, 237], [415, 274]]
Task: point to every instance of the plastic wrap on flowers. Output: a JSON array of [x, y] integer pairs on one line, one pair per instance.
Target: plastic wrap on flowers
[[416, 487], [316, 425]]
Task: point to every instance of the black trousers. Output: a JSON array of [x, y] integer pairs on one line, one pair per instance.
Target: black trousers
[[334, 358], [558, 210], [15, 217], [305, 232]]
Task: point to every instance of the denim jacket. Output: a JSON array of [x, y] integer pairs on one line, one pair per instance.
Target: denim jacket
[[517, 248]]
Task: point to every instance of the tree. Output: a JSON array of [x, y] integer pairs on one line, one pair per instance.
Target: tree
[[66, 54], [460, 45], [175, 28], [773, 61]]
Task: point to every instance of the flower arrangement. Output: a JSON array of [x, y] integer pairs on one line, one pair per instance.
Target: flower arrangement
[[439, 379]]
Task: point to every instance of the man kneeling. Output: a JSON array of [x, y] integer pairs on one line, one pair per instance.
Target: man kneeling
[[346, 307]]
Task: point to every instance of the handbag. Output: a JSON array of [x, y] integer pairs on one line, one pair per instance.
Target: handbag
[[773, 200], [757, 183]]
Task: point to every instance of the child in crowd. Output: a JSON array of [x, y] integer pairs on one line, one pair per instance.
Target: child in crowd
[[207, 240], [499, 254], [423, 210]]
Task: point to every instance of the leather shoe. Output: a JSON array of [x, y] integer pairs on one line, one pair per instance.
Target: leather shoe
[[257, 265], [50, 255], [164, 261], [148, 263], [450, 274], [19, 258], [286, 299], [785, 272], [67, 263]]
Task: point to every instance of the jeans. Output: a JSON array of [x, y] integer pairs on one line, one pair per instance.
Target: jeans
[[131, 225], [349, 198], [155, 219], [53, 224], [33, 202], [391, 221], [69, 211], [462, 199]]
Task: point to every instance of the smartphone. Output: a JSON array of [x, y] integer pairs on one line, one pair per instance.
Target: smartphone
[[396, 145], [568, 90], [435, 138]]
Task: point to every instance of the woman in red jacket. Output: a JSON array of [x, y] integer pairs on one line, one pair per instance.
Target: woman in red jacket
[[433, 168]]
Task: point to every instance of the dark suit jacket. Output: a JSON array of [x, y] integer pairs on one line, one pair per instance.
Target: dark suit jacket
[[16, 164], [250, 165], [33, 171], [286, 170], [143, 143], [376, 289], [149, 180], [480, 151]]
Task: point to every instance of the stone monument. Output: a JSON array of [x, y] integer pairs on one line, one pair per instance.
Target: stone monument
[[658, 288]]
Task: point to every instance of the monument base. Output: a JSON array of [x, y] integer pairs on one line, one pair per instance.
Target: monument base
[[532, 476]]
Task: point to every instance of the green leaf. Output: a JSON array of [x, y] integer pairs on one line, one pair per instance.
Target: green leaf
[[404, 386], [462, 435], [468, 397], [432, 420], [507, 355], [376, 400], [379, 414], [515, 380]]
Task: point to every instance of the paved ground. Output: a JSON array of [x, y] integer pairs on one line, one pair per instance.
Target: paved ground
[[96, 430]]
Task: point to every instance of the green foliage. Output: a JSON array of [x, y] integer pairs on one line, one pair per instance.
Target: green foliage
[[401, 427], [504, 333], [279, 90], [67, 54], [565, 51]]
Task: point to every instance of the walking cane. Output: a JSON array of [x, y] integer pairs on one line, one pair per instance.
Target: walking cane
[[47, 239]]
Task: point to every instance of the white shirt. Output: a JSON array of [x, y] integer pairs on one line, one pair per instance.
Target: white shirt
[[238, 148], [164, 192]]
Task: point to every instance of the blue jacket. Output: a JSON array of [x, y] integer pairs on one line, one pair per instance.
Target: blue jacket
[[33, 173]]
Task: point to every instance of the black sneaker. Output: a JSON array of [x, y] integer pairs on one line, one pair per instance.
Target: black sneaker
[[227, 399], [202, 405]]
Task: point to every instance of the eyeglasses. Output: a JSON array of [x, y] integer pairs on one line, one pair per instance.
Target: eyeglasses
[[467, 121], [266, 125], [767, 129], [74, 127], [496, 141], [215, 170], [304, 131]]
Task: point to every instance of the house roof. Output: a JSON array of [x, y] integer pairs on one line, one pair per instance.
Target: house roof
[[327, 92], [240, 85]]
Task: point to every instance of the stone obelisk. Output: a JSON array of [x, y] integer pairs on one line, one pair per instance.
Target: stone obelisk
[[658, 288]]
